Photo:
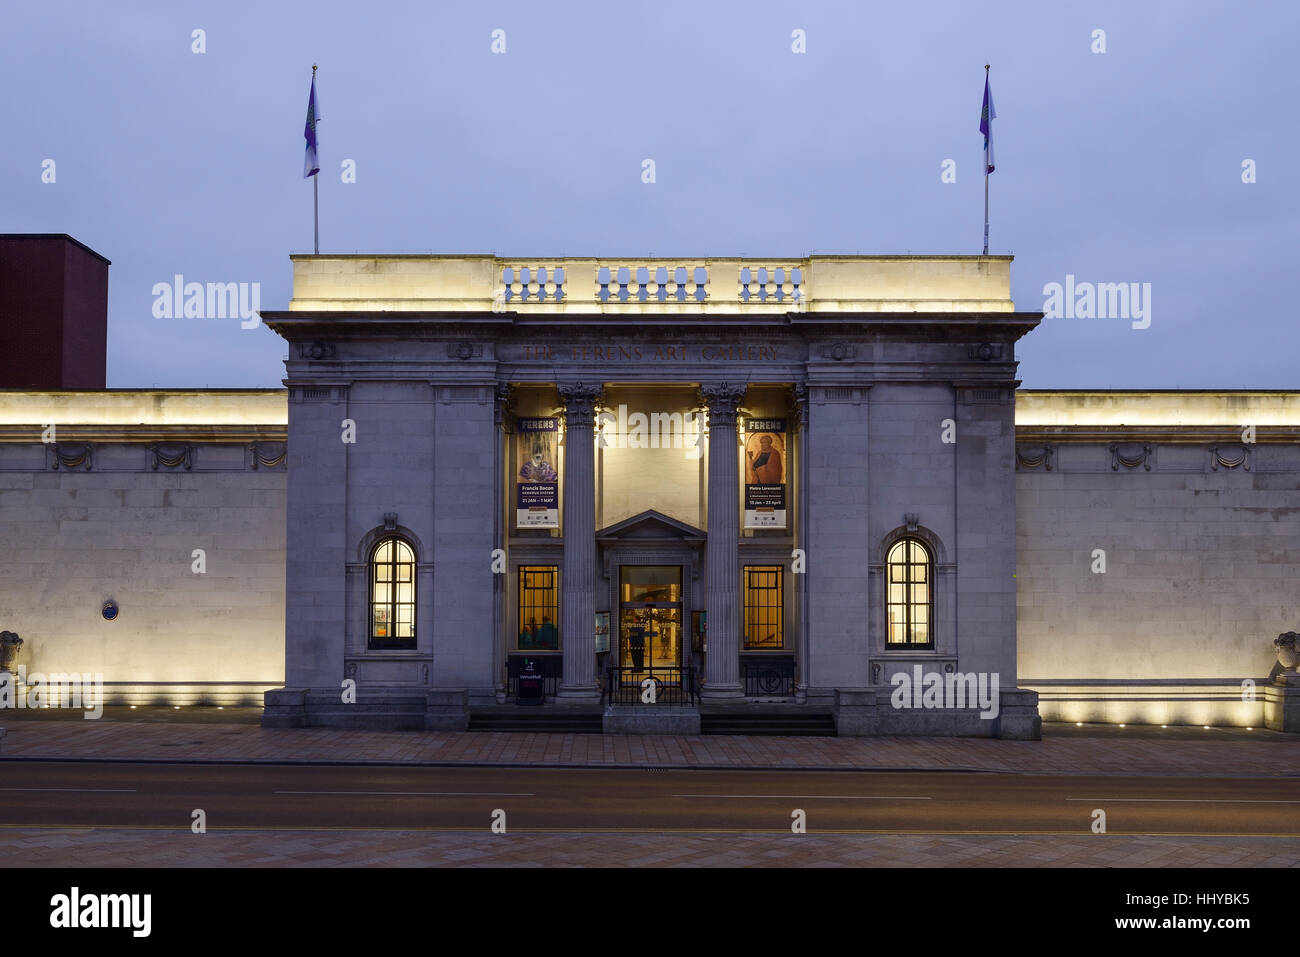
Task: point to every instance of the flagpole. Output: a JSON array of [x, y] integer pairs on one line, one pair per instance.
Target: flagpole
[[986, 176], [315, 192]]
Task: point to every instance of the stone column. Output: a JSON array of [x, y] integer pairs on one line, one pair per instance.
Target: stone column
[[803, 453], [577, 601], [505, 400], [722, 663]]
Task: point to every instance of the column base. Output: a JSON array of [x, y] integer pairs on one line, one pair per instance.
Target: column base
[[577, 693], [865, 712], [722, 691], [1282, 703], [376, 709]]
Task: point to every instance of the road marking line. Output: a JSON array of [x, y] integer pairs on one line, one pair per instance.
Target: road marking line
[[1116, 800], [421, 793], [815, 797], [97, 790]]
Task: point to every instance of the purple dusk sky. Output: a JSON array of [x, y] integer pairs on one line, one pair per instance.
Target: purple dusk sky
[[1123, 166]]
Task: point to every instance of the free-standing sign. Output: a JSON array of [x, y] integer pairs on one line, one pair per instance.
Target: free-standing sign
[[765, 473], [530, 688], [537, 482]]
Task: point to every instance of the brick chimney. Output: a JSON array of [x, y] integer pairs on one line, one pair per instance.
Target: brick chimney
[[53, 313]]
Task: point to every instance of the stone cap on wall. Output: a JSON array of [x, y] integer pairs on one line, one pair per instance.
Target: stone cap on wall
[[648, 285], [134, 414], [1046, 415], [1078, 407]]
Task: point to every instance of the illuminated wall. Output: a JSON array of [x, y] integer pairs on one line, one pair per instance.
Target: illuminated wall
[[1200, 555], [1201, 548], [649, 457], [125, 523]]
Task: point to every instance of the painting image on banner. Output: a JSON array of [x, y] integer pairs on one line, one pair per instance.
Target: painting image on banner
[[537, 481], [765, 463]]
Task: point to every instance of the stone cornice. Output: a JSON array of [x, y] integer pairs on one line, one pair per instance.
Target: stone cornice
[[308, 326], [132, 434], [1177, 434]]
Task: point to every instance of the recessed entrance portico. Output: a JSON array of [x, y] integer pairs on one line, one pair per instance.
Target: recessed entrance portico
[[652, 563], [650, 618]]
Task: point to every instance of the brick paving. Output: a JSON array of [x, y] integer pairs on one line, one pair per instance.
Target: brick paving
[[238, 739], [102, 847]]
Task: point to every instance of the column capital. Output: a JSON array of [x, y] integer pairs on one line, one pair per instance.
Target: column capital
[[579, 400], [722, 400]]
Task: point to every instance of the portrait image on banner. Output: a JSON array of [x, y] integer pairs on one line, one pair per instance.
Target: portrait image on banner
[[537, 480], [765, 471]]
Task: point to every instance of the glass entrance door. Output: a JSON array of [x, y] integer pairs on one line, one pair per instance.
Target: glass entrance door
[[650, 617]]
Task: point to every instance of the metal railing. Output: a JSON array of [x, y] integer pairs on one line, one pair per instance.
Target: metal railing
[[650, 686], [768, 679]]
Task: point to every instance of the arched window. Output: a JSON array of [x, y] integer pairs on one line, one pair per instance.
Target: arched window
[[392, 595], [909, 598]]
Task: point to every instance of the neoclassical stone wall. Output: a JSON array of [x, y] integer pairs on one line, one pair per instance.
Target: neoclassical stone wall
[[1200, 534], [1200, 538], [74, 538]]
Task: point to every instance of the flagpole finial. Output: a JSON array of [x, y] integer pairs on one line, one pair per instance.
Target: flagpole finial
[[313, 69], [986, 67]]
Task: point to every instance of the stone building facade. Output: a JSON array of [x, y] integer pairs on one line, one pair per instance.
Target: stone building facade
[[660, 495]]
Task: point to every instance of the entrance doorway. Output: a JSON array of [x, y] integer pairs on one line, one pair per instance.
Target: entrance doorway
[[650, 617]]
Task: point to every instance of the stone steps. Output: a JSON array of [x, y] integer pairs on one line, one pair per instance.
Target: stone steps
[[772, 723]]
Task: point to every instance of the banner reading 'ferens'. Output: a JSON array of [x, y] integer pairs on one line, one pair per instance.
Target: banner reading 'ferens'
[[765, 473], [537, 486]]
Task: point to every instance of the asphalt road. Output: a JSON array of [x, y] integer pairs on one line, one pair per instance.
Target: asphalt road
[[288, 797]]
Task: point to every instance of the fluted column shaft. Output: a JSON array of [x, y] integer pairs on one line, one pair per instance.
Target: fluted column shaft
[[577, 600], [722, 663]]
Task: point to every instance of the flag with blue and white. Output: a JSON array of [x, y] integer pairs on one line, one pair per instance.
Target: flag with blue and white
[[311, 166], [987, 116]]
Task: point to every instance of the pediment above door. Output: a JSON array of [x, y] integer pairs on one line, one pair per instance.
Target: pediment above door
[[650, 526]]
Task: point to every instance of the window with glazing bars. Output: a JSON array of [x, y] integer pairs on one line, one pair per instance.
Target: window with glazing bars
[[539, 606], [909, 596], [764, 608], [392, 595]]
